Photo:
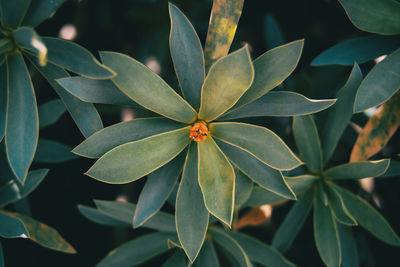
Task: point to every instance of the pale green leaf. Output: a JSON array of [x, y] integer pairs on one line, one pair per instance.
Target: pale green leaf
[[358, 170]]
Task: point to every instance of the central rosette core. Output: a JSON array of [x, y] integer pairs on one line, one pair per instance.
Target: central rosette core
[[199, 132]]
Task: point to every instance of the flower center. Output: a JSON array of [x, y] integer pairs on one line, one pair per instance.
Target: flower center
[[198, 132]]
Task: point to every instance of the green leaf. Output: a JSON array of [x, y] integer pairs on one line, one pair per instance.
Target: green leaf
[[49, 151], [381, 83], [3, 99], [393, 170], [99, 217], [261, 142], [191, 215], [260, 253], [147, 88], [111, 137], [227, 80], [96, 91], [279, 104], [157, 189], [273, 33], [50, 112], [326, 234], [12, 12], [338, 208], [340, 114], [271, 69], [368, 217], [84, 114], [22, 129], [217, 180], [360, 50], [131, 161], [187, 56], [386, 21], [348, 246], [178, 259], [243, 188], [40, 10], [223, 239], [307, 140], [358, 170], [263, 175], [75, 58], [32, 181], [9, 193], [301, 183], [293, 222], [207, 256], [11, 227], [136, 251], [45, 235], [321, 193], [28, 39]]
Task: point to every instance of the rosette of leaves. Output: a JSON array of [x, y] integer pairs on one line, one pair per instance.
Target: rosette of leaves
[[238, 248], [52, 57], [15, 219], [335, 209], [234, 87]]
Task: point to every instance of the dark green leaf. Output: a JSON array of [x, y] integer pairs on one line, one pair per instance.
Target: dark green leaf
[[261, 142], [187, 56], [178, 259], [22, 129], [357, 170], [147, 88], [49, 151], [348, 246], [294, 220], [360, 50], [393, 170], [280, 104], [3, 99], [368, 217], [28, 39], [381, 83], [157, 189], [243, 188], [207, 256], [40, 10], [386, 21], [338, 207], [33, 179], [9, 193], [131, 161], [50, 112], [11, 227], [99, 217], [301, 183], [273, 33], [110, 137], [13, 12], [340, 114], [136, 251]]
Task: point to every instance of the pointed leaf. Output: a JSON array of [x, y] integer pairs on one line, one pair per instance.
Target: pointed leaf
[[307, 140], [338, 207], [131, 161], [262, 143], [301, 183], [99, 217], [263, 175], [22, 129], [191, 215], [288, 230], [13, 12], [231, 245], [11, 227], [326, 234], [386, 21], [243, 188], [137, 251], [360, 50], [368, 217], [3, 99], [49, 151], [111, 137], [279, 104], [227, 80], [348, 245], [178, 259], [340, 114], [157, 189], [50, 112], [216, 180], [358, 170], [96, 91], [207, 256], [381, 83], [259, 196], [260, 253], [9, 193], [187, 56], [40, 10], [147, 88], [33, 179], [271, 69], [84, 114], [221, 30]]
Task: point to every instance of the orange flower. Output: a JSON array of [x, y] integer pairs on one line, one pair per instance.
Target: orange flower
[[198, 132]]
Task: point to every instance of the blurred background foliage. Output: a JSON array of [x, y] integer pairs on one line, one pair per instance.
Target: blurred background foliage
[[140, 29]]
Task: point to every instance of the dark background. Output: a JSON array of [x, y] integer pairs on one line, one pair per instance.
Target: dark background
[[140, 29]]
